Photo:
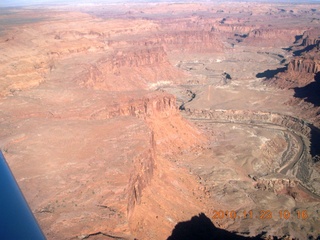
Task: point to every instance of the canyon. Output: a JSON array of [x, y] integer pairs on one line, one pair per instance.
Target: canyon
[[151, 121]]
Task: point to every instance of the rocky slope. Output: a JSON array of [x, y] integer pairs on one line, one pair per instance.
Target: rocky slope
[[301, 69], [311, 39], [303, 170], [100, 151], [272, 37], [113, 182], [302, 74], [196, 41], [68, 93], [129, 69]]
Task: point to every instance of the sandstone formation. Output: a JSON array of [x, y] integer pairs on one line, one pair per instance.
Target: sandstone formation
[[299, 73], [310, 38], [302, 73], [120, 71], [303, 165], [302, 69], [272, 37], [192, 41], [129, 121]]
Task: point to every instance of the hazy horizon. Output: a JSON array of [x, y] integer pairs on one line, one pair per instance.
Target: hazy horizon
[[12, 3]]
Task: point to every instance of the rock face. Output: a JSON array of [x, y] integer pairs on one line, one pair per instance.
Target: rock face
[[20, 68], [120, 71], [149, 105], [26, 59], [302, 74], [112, 182], [192, 41], [99, 147], [272, 37], [66, 205], [303, 167], [311, 39], [83, 112], [141, 176], [303, 65], [232, 28], [301, 69], [247, 116]]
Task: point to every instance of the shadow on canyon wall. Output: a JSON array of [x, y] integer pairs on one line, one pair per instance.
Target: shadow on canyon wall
[[306, 49], [297, 39], [315, 144], [271, 73], [311, 93], [201, 228]]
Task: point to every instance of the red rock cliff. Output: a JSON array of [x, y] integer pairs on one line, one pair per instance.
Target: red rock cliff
[[302, 69], [192, 41], [157, 104], [272, 37], [311, 38], [129, 69], [304, 65]]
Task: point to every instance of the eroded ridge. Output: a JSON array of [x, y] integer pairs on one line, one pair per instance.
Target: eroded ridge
[[298, 165], [91, 126]]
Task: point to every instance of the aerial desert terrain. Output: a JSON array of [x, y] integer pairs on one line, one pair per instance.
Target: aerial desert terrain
[[193, 120]]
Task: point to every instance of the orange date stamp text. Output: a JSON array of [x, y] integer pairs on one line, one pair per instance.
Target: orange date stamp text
[[261, 214]]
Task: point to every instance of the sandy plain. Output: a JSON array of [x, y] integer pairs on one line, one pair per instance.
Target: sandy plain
[[160, 121]]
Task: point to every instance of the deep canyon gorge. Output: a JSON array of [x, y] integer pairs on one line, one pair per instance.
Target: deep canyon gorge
[[164, 120]]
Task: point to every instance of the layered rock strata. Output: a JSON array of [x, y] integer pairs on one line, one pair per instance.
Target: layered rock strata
[[121, 70], [302, 169], [301, 69]]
